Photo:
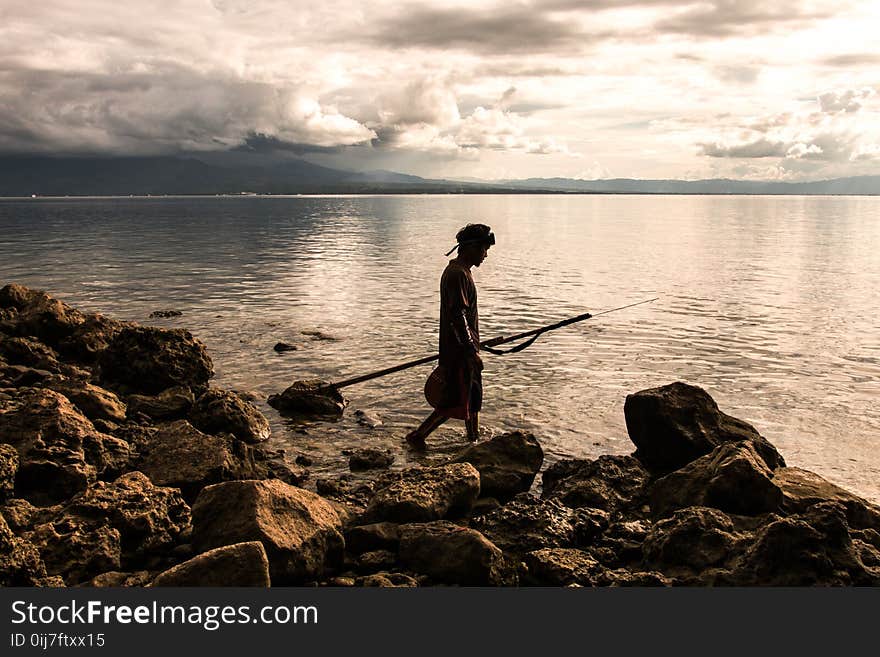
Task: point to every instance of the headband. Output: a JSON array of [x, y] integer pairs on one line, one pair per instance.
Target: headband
[[488, 240]]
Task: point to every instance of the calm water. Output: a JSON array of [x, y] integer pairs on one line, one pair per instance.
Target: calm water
[[769, 303]]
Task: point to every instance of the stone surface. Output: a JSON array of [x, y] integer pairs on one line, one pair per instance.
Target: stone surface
[[696, 538], [77, 549], [674, 424], [8, 468], [223, 411], [171, 404], [90, 338], [94, 402], [527, 523], [241, 564], [299, 530], [311, 397], [376, 536], [387, 580], [507, 463], [426, 494], [20, 562], [732, 478], [27, 352], [369, 419], [802, 489], [149, 360], [370, 459], [117, 579], [37, 314], [452, 554], [181, 456], [607, 483], [561, 567]]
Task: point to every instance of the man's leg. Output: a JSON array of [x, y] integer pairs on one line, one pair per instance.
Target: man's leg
[[473, 427], [417, 436]]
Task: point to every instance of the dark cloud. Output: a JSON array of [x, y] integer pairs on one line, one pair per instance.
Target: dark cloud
[[260, 143], [762, 147], [725, 18], [849, 101], [852, 59]]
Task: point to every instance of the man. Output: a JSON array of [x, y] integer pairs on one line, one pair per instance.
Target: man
[[461, 394]]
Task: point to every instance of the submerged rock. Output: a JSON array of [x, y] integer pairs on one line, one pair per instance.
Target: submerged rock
[[241, 564], [674, 424], [507, 463], [223, 411], [370, 459], [311, 397], [162, 314]]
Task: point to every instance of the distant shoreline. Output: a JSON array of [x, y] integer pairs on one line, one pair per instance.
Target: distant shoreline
[[511, 192]]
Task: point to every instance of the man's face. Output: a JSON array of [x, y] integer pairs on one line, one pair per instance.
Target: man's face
[[480, 254]]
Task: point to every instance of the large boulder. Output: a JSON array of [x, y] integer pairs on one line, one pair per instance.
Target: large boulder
[[171, 404], [20, 563], [453, 554], [674, 424], [94, 402], [694, 538], [300, 531], [148, 360], [180, 456], [219, 411], [423, 495], [149, 518], [608, 482], [802, 489], [527, 523], [37, 314], [310, 397], [8, 468], [89, 339], [733, 478], [242, 564], [507, 463]]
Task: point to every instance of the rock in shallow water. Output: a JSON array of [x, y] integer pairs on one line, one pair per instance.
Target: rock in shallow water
[[223, 411], [312, 397]]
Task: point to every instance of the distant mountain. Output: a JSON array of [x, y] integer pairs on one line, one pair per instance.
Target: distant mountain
[[92, 176]]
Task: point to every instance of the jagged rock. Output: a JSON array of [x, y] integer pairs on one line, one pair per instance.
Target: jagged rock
[[426, 494], [29, 353], [370, 459], [20, 563], [526, 524], [589, 524], [76, 549], [300, 531], [110, 455], [607, 483], [171, 404], [116, 579], [19, 376], [281, 469], [164, 314], [507, 463], [621, 543], [311, 397], [89, 339], [94, 402], [733, 478], [377, 536], [149, 518], [180, 456], [241, 564], [22, 516], [8, 468], [37, 314], [219, 411], [453, 554], [674, 424], [387, 580], [561, 567], [376, 560], [695, 538], [149, 360], [813, 548], [802, 489]]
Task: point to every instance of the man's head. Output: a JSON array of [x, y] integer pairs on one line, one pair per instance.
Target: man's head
[[474, 241]]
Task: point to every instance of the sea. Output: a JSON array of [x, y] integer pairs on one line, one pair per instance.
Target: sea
[[769, 303]]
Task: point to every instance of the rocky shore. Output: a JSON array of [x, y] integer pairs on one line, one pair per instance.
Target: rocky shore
[[121, 466]]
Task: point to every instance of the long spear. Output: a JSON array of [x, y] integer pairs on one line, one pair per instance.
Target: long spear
[[494, 342]]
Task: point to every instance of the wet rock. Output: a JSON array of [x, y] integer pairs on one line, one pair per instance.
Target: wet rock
[[733, 478], [180, 456], [149, 518], [311, 397], [370, 459], [608, 482], [117, 579], [281, 469], [507, 463], [77, 549], [319, 335], [367, 419], [426, 494], [561, 567], [387, 580], [20, 563], [37, 314], [164, 314], [8, 468], [219, 411], [695, 538], [452, 554], [241, 564], [302, 459], [299, 530], [149, 360], [802, 489], [527, 524], [283, 346], [674, 424], [376, 536], [94, 402], [171, 404]]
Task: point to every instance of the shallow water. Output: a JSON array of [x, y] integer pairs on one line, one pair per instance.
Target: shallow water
[[769, 303]]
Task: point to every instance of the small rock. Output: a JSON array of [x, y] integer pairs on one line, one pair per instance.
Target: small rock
[[170, 404], [302, 459], [240, 564], [165, 313], [370, 459], [367, 419], [283, 346], [318, 335], [219, 411], [305, 398]]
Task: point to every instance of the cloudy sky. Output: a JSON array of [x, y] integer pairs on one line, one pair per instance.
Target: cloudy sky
[[753, 89]]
